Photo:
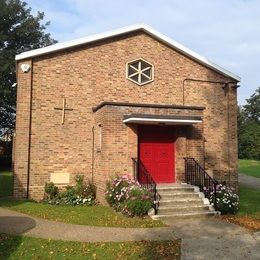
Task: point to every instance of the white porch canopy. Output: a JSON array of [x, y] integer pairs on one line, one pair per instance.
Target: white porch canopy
[[159, 119]]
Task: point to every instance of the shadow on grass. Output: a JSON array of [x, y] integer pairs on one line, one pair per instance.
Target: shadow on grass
[[8, 245], [6, 183]]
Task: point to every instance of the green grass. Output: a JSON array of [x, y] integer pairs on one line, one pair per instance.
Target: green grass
[[83, 215], [17, 247], [249, 167], [6, 183], [249, 202]]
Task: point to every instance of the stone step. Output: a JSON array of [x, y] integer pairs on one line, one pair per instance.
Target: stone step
[[174, 185], [182, 209], [185, 215], [183, 195], [181, 202], [164, 190]]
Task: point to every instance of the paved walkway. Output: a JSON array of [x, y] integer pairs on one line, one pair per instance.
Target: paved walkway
[[207, 238], [249, 181], [211, 238], [15, 223]]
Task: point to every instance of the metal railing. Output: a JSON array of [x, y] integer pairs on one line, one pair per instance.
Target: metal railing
[[197, 176], [142, 175]]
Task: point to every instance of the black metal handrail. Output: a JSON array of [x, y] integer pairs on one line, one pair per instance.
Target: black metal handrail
[[142, 175], [197, 176]]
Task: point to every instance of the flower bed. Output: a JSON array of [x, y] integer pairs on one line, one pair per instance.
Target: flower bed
[[126, 195], [226, 199], [80, 194]]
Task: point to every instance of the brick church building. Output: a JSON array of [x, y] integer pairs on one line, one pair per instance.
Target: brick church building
[[97, 105]]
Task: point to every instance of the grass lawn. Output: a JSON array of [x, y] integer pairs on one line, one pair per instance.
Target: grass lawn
[[249, 202], [249, 167], [249, 209], [6, 183], [17, 247], [82, 215]]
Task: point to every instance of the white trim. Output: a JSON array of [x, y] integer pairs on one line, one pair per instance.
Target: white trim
[[124, 30], [160, 120]]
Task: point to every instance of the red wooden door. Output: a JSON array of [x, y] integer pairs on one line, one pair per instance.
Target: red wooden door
[[156, 152]]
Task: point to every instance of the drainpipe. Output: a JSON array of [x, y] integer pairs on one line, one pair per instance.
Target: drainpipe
[[93, 155]]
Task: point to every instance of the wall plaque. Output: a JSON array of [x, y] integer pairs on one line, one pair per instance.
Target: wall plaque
[[60, 177]]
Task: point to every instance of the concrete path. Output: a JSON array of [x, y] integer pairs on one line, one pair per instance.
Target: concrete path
[[249, 181], [211, 238], [207, 238], [15, 223]]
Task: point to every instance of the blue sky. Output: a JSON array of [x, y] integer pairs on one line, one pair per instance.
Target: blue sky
[[226, 32]]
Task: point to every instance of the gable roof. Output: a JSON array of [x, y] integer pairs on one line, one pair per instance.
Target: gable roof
[[125, 30]]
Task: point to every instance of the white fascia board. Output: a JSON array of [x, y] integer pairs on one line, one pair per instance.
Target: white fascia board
[[77, 42], [168, 41], [160, 120], [102, 36]]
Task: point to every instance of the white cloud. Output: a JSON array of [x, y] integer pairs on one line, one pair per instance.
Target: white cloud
[[226, 32]]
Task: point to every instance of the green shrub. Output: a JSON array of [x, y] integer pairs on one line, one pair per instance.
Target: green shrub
[[138, 203], [80, 184], [68, 196], [84, 189], [51, 190], [90, 190]]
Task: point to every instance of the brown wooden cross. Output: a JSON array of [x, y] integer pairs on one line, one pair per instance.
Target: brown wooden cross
[[63, 109]]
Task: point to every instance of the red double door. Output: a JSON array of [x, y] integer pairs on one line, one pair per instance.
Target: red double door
[[157, 152]]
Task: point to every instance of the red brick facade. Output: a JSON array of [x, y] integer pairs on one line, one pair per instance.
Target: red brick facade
[[96, 142]]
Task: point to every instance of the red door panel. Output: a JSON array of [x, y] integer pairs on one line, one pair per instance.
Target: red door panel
[[156, 153]]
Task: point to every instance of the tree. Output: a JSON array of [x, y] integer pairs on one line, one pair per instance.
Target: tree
[[19, 31], [249, 128], [252, 108]]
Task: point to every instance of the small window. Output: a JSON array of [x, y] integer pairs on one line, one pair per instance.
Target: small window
[[99, 141], [139, 71]]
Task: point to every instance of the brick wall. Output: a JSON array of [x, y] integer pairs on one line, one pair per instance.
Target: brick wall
[[120, 141], [88, 75], [22, 138]]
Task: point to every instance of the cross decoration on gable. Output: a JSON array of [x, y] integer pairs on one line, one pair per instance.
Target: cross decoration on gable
[[63, 110]]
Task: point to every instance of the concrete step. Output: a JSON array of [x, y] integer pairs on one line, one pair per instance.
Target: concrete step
[[178, 195], [185, 215], [181, 202], [182, 209], [164, 190], [173, 185]]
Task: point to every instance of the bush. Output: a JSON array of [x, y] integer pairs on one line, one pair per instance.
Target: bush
[[226, 200], [68, 196], [118, 189], [82, 193], [51, 190], [139, 202], [126, 195]]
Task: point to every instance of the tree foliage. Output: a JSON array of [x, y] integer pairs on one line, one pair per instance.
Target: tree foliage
[[249, 128], [19, 31], [252, 108]]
